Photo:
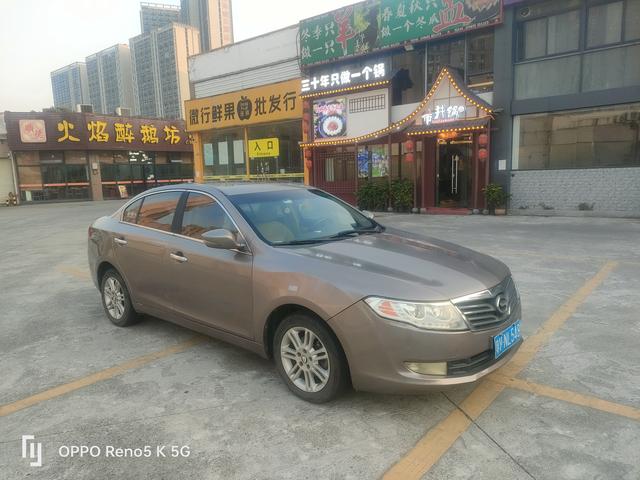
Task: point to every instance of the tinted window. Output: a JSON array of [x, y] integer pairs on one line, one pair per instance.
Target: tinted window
[[157, 210], [131, 212], [201, 214]]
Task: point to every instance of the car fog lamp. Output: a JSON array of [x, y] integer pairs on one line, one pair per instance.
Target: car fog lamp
[[437, 368]]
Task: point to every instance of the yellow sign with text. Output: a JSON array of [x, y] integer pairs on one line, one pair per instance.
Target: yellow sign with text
[[264, 147], [270, 103]]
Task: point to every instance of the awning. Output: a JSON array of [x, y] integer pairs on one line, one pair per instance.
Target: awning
[[457, 126]]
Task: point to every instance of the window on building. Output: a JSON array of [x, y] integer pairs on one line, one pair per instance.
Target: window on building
[[604, 24], [471, 54], [201, 214], [157, 210], [408, 83], [289, 161], [223, 153], [551, 35], [587, 138]]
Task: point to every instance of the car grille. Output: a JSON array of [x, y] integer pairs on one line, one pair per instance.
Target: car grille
[[481, 310], [468, 366]]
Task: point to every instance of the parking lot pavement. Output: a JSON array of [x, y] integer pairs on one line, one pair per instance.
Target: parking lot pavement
[[567, 407]]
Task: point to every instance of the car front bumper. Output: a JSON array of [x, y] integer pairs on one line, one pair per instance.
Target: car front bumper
[[377, 350]]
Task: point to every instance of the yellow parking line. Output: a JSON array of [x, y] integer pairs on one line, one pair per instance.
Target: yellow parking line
[[432, 446], [73, 271], [535, 342], [567, 396], [98, 376]]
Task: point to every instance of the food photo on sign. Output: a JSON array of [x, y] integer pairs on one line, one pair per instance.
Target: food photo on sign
[[330, 118]]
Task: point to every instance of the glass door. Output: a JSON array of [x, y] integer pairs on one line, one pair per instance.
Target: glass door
[[454, 172]]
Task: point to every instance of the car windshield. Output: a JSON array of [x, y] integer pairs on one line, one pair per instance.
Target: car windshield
[[300, 216]]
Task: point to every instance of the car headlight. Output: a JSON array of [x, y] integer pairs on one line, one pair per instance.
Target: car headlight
[[431, 316]]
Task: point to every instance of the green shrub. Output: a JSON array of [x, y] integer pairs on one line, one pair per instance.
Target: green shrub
[[402, 194], [495, 196], [373, 195]]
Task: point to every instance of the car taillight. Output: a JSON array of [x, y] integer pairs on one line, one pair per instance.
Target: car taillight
[[90, 232]]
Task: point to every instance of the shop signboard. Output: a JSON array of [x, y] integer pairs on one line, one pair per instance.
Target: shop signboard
[[84, 131], [264, 147], [370, 71], [374, 25], [330, 118], [269, 103]]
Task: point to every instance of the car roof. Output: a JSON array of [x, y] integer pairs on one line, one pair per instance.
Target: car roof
[[233, 188]]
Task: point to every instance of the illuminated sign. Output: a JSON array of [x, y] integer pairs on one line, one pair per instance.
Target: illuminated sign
[[345, 77], [87, 131], [264, 147], [269, 103], [442, 113]]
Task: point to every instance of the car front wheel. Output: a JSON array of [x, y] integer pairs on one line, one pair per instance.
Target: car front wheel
[[116, 300], [309, 359]]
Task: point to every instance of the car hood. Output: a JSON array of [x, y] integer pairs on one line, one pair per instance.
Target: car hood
[[405, 265]]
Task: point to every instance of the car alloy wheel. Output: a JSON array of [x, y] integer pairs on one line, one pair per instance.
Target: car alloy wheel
[[114, 299], [305, 359]]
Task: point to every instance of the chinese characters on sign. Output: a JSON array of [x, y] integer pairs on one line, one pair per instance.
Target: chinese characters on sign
[[378, 24], [443, 113], [85, 131], [262, 104], [345, 78]]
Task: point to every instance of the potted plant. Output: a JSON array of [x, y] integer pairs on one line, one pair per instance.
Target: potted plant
[[402, 195], [496, 199], [373, 195]]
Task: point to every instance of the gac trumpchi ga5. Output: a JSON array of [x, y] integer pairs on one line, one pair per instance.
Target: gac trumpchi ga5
[[296, 275]]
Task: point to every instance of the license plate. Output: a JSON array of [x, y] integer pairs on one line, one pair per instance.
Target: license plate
[[506, 339]]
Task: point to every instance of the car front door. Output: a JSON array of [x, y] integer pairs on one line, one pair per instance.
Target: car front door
[[141, 244], [208, 285]]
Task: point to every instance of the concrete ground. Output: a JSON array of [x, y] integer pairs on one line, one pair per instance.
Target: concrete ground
[[566, 407]]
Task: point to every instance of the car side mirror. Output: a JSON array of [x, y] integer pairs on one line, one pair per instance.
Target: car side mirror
[[368, 214], [222, 238]]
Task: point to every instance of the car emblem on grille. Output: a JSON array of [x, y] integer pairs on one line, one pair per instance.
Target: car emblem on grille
[[502, 304]]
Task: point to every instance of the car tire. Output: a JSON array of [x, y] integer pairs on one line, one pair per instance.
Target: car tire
[[116, 300], [309, 358]]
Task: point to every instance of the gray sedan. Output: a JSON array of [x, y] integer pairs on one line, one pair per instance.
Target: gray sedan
[[294, 274]]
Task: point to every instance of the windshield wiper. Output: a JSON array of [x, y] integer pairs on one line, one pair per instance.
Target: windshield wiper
[[357, 231]]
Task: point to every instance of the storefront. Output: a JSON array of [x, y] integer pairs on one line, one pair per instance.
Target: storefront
[[404, 95], [78, 156], [251, 134], [441, 146]]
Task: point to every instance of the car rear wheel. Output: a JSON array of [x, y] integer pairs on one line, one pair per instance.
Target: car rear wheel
[[309, 359], [116, 300]]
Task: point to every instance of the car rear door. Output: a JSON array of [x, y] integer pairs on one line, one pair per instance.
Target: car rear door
[[141, 244], [208, 285]]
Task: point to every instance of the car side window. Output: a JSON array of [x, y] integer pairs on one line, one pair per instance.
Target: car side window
[[130, 214], [158, 210], [201, 214]]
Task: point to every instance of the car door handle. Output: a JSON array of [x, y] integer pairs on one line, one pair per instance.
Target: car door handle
[[120, 241], [178, 257]]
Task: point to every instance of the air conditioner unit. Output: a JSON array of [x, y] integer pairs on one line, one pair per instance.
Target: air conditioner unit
[[84, 108], [123, 112]]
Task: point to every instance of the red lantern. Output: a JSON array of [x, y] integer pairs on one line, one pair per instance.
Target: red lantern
[[308, 154], [408, 145], [409, 157], [483, 153], [308, 164], [483, 139]]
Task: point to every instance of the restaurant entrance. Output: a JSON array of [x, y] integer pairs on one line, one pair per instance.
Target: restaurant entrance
[[454, 172]]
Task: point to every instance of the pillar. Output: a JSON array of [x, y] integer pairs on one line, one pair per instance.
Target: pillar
[[198, 158]]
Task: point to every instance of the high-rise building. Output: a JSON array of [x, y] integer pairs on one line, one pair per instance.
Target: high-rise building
[[110, 80], [70, 86], [160, 69], [213, 18], [157, 15]]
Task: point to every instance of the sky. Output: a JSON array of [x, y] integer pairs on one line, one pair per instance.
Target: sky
[[39, 36]]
